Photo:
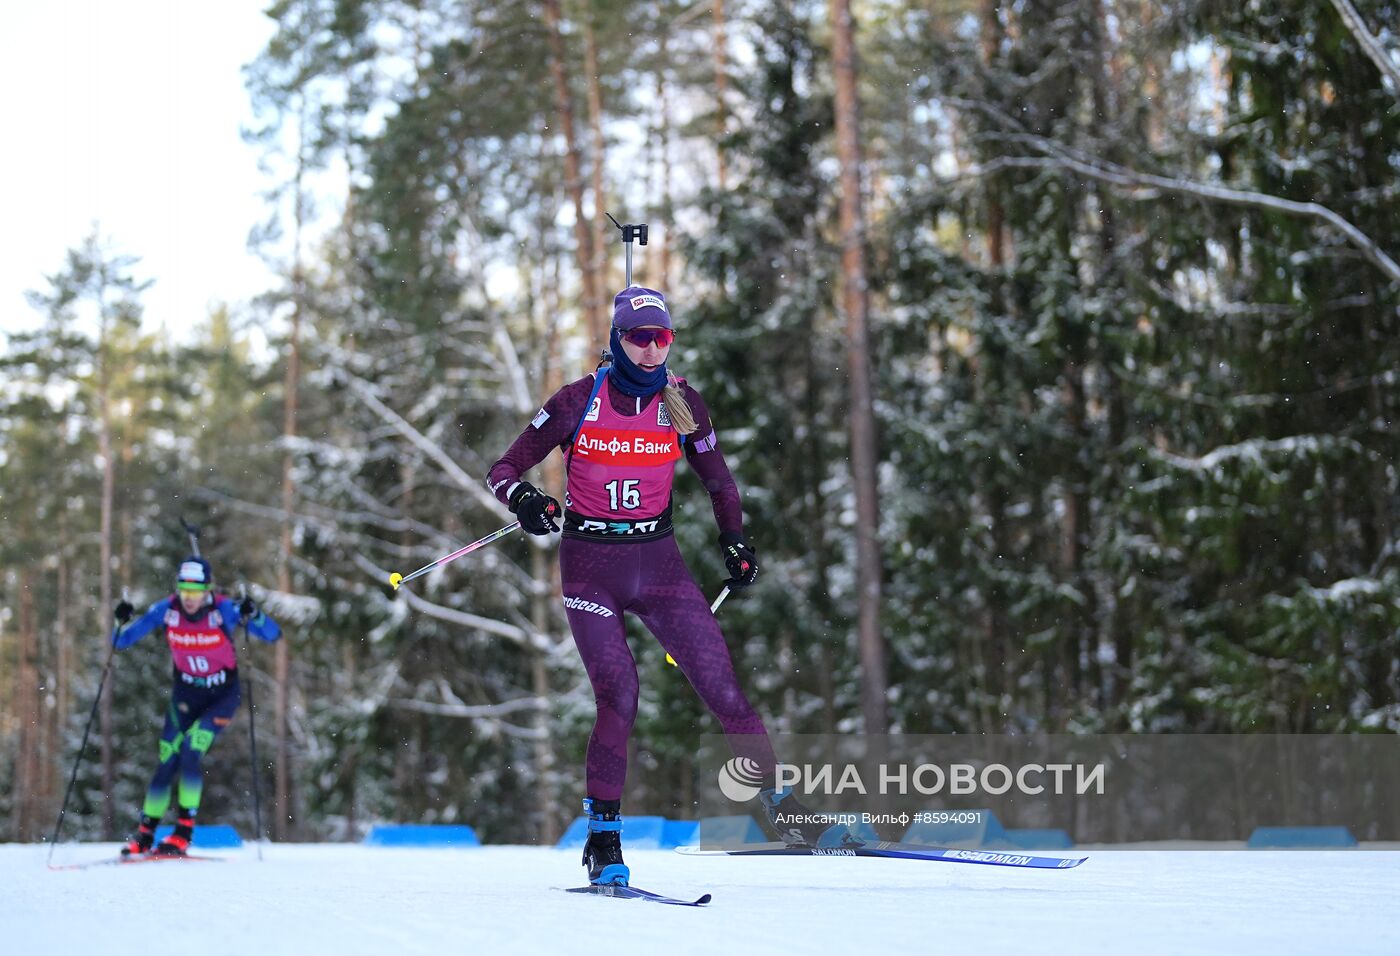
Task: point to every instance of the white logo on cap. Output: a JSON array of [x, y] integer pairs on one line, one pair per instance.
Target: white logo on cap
[[191, 571], [642, 301]]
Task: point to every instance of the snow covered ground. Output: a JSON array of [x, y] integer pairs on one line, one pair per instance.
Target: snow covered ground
[[309, 899]]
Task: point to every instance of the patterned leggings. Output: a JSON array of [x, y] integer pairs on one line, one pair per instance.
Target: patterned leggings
[[649, 579], [192, 721]]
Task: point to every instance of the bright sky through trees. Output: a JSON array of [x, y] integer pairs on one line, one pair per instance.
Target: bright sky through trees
[[128, 115]]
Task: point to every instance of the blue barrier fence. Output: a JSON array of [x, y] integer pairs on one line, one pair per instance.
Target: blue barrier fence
[[422, 835], [208, 836], [1039, 839], [727, 831], [982, 829], [1300, 838]]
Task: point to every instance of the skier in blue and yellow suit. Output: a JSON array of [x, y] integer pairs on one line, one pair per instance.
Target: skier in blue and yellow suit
[[199, 625]]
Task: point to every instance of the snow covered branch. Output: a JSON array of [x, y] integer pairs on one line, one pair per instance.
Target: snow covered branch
[[517, 635], [515, 373], [1144, 186], [1368, 42], [261, 511], [477, 489], [454, 706], [329, 521], [1256, 449], [489, 712], [458, 709], [476, 621], [510, 356], [298, 609]]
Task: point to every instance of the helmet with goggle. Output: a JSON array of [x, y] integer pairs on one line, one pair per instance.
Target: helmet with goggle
[[195, 575]]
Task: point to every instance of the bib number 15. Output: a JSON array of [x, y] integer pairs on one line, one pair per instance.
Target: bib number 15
[[624, 495]]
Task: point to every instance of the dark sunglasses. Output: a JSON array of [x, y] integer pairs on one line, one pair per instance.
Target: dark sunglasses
[[641, 338]]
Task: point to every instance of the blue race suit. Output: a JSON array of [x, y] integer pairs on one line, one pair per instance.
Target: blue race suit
[[205, 691]]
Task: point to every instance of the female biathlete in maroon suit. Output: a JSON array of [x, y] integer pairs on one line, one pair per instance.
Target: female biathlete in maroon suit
[[621, 430]]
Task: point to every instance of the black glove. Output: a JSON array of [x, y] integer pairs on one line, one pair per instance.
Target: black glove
[[740, 559], [247, 610], [123, 612], [535, 509]]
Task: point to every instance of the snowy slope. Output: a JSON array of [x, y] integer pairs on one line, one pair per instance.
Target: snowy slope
[[306, 899]]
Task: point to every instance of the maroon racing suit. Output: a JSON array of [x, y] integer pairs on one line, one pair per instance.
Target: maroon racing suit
[[611, 565]]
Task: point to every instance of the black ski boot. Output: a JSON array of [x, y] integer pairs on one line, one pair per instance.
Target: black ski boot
[[796, 825], [139, 843], [602, 854], [178, 843]]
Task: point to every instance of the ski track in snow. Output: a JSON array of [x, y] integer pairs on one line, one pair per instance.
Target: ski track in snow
[[307, 899]]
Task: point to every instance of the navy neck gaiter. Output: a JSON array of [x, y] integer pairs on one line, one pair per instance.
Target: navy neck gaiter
[[629, 378]]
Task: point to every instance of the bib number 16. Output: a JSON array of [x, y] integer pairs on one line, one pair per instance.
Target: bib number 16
[[624, 495]]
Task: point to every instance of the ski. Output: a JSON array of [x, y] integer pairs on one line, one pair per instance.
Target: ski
[[619, 892], [128, 860], [897, 851]]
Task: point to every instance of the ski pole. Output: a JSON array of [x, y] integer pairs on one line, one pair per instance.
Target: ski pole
[[724, 593], [397, 580], [252, 727], [77, 762]]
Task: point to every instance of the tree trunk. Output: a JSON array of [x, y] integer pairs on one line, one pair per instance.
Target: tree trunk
[[545, 569], [996, 212], [27, 766], [1106, 97], [547, 831], [665, 208], [595, 129], [284, 822], [62, 649], [1082, 636], [573, 176], [126, 562], [1120, 629], [104, 549], [721, 46], [855, 299]]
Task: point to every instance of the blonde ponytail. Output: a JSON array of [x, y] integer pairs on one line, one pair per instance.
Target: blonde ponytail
[[681, 415]]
